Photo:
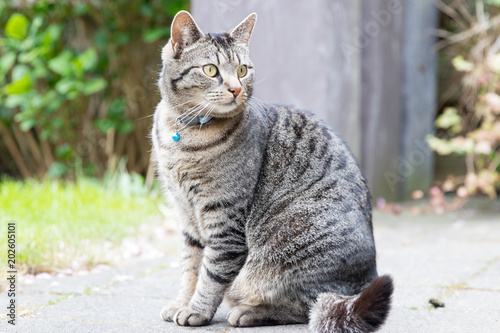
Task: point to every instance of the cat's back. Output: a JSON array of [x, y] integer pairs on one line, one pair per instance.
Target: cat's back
[[311, 215], [309, 175], [305, 155]]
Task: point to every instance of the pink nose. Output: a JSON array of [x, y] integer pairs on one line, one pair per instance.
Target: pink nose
[[235, 91]]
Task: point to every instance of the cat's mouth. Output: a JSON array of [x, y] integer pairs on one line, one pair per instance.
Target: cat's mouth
[[228, 103], [226, 109]]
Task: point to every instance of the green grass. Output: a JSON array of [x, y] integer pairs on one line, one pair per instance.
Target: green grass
[[58, 221]]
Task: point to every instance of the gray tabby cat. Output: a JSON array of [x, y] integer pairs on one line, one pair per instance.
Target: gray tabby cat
[[275, 211]]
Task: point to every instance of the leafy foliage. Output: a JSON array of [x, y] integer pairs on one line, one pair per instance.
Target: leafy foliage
[[472, 127], [78, 83], [41, 77]]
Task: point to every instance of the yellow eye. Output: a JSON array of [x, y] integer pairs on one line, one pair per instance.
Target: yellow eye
[[210, 70], [242, 70]]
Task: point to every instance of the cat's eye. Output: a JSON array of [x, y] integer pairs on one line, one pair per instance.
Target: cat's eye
[[210, 70], [242, 70]]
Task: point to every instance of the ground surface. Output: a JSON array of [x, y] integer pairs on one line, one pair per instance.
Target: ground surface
[[454, 257]]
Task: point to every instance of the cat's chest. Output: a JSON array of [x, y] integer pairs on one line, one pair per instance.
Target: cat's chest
[[193, 188], [187, 176]]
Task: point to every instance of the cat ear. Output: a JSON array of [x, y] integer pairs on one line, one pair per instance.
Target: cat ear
[[184, 31], [243, 31]]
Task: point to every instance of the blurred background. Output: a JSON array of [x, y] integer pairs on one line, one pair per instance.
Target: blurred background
[[413, 87]]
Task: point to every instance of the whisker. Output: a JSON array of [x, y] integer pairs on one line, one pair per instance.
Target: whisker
[[260, 80], [200, 110], [145, 117], [186, 113], [211, 108], [169, 109], [181, 104]]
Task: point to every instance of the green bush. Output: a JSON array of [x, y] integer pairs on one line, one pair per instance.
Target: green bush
[[78, 84]]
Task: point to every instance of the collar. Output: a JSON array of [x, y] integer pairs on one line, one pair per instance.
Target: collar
[[191, 121]]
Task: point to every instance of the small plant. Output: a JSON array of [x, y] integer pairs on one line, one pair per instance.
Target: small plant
[[472, 127]]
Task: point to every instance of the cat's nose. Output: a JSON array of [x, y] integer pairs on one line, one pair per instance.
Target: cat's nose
[[235, 91]]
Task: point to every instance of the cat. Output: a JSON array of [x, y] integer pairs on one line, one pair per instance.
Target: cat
[[275, 210]]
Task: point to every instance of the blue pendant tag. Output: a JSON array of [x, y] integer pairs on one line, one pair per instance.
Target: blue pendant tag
[[176, 136]]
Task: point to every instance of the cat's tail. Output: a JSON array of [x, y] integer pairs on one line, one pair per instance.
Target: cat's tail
[[361, 313]]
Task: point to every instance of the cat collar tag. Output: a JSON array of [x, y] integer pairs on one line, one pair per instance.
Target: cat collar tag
[[176, 136]]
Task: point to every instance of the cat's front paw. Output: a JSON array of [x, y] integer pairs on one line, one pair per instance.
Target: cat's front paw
[[168, 312], [241, 316], [189, 317]]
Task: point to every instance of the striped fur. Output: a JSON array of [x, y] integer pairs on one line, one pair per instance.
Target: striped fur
[[275, 211]]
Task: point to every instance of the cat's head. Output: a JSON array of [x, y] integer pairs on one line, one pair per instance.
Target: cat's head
[[212, 72]]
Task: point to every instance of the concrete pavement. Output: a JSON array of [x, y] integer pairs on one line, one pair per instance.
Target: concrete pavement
[[454, 258]]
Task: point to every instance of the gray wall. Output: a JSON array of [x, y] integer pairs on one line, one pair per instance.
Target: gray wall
[[365, 66]]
